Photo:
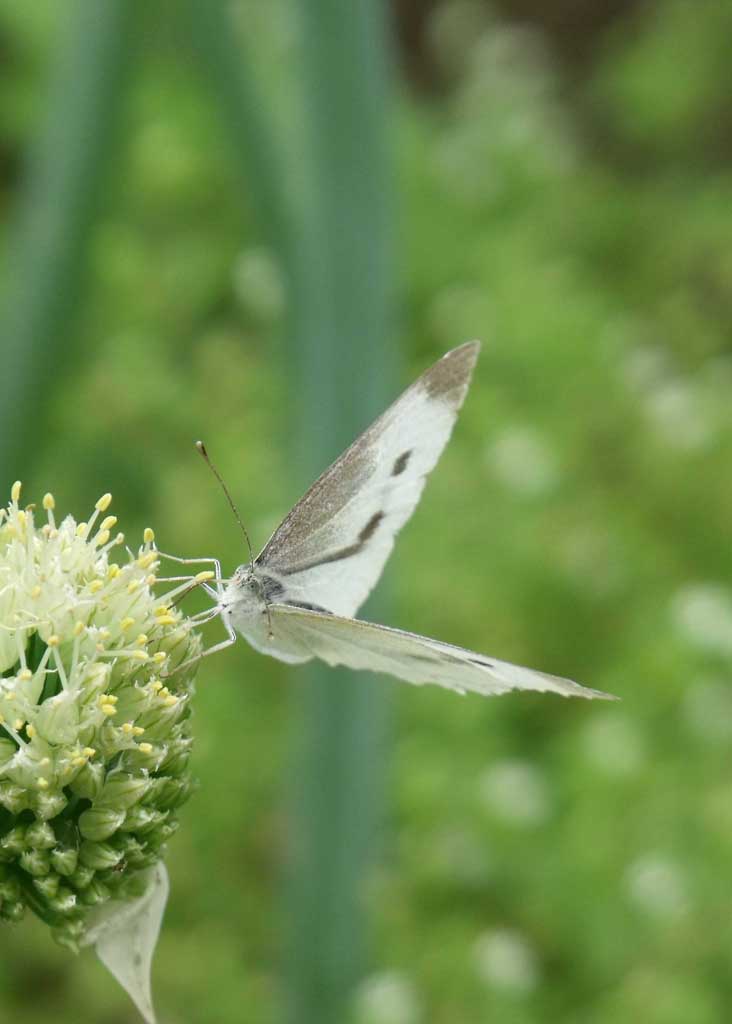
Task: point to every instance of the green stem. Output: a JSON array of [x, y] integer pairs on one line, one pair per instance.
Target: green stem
[[342, 366], [46, 255]]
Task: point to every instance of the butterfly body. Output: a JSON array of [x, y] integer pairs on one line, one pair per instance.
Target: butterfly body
[[297, 600]]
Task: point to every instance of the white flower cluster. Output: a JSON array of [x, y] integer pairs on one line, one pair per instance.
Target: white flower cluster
[[95, 680]]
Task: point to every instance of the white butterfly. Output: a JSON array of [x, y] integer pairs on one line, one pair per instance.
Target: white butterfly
[[297, 599]]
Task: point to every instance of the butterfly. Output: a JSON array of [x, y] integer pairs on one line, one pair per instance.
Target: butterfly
[[297, 599]]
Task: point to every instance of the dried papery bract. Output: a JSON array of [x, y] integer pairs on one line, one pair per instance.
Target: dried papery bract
[[94, 746]]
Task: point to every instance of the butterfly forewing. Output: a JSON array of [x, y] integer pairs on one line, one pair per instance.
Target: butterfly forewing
[[296, 602], [330, 550]]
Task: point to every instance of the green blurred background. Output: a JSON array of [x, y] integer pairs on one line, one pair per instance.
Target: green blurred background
[[218, 218]]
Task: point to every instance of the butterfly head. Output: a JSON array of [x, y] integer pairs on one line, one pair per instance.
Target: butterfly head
[[251, 590]]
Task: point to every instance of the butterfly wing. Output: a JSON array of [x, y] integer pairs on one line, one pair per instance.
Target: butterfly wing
[[331, 549], [299, 634]]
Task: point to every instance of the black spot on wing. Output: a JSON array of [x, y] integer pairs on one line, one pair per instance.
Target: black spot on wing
[[337, 556], [400, 464], [370, 528], [483, 662], [307, 606]]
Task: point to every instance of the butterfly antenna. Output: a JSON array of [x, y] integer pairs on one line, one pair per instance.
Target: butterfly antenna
[[202, 451]]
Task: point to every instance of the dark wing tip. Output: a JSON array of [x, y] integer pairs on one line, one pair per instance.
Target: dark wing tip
[[449, 377]]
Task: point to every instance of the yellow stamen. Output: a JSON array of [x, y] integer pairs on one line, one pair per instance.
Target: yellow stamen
[[107, 523], [166, 620], [104, 502], [15, 490], [89, 751], [140, 655], [25, 674], [102, 536], [145, 561], [145, 748], [149, 535], [137, 730], [35, 592], [43, 783], [31, 731], [126, 623], [159, 657], [95, 586], [79, 628], [109, 709], [49, 502], [18, 724], [201, 577], [132, 586], [53, 640], [113, 571]]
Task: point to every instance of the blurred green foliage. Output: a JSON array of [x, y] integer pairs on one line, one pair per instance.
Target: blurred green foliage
[[546, 860]]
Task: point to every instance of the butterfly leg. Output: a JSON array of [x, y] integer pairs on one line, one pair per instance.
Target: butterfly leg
[[210, 613], [199, 561], [222, 645]]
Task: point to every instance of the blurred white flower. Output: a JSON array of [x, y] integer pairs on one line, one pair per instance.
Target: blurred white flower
[[678, 414], [505, 960], [656, 884], [703, 613], [593, 559], [461, 857], [707, 709], [258, 283], [614, 744], [523, 461], [516, 792], [387, 998]]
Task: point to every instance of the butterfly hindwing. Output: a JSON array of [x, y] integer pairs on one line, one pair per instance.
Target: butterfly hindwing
[[330, 550], [298, 634]]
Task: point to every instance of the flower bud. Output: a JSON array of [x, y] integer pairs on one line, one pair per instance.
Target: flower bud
[[100, 822], [10, 889], [12, 843], [47, 886], [48, 805], [88, 783], [81, 876], [98, 855], [36, 862], [12, 797], [123, 790], [64, 902], [142, 819], [41, 835], [96, 892], [57, 720], [64, 861], [12, 911]]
